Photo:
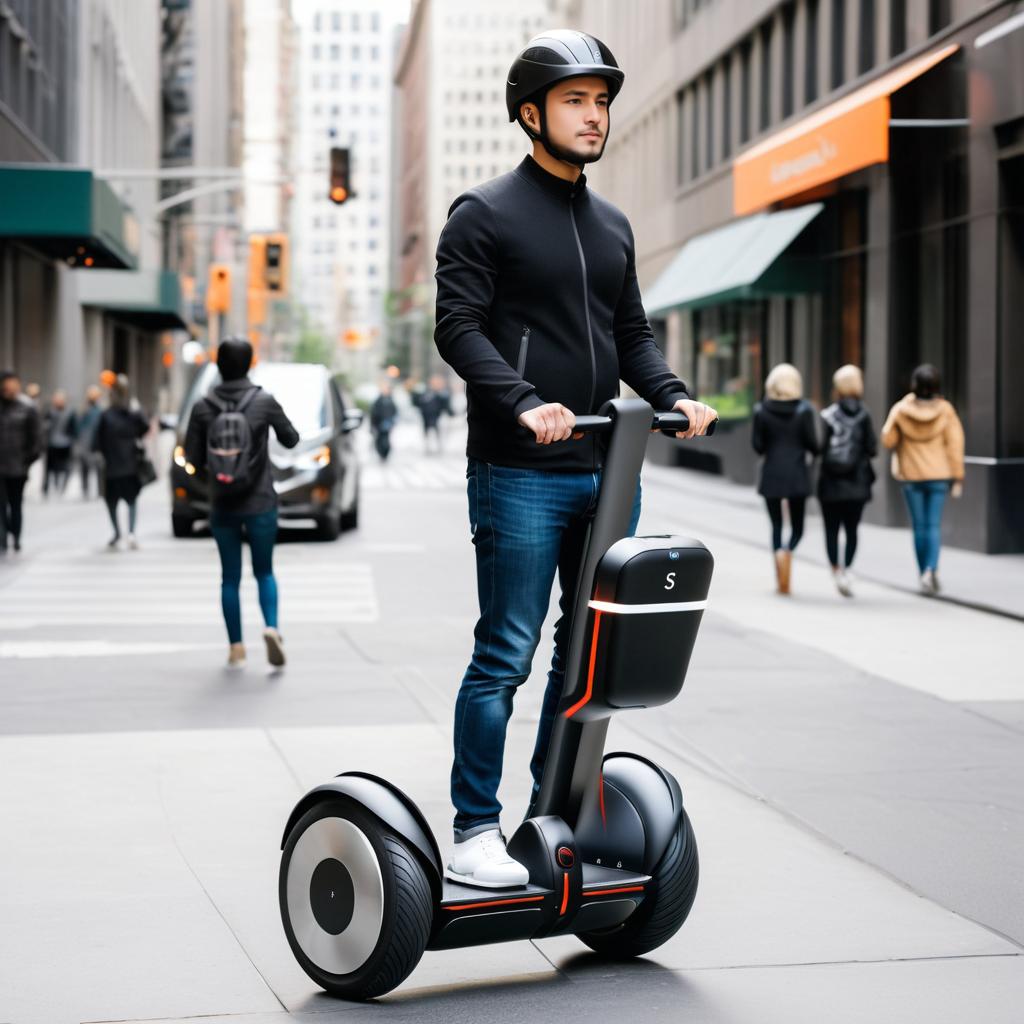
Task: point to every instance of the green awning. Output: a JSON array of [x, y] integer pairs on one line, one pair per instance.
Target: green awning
[[67, 213], [147, 298], [731, 262]]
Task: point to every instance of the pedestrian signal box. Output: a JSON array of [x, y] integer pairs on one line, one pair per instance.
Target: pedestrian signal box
[[340, 185]]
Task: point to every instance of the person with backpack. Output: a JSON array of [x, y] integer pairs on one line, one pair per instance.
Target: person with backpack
[[117, 437], [784, 433], [846, 476], [927, 442], [227, 438]]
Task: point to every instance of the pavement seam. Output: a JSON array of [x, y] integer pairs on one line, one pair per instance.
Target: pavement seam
[[700, 763], [213, 902]]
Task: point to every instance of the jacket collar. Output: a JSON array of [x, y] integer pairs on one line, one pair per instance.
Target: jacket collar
[[550, 183]]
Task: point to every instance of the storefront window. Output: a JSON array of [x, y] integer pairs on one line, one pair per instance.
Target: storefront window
[[728, 342], [1010, 426]]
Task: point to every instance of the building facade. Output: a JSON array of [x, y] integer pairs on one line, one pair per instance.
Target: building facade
[[344, 100], [80, 105], [831, 181], [452, 133]]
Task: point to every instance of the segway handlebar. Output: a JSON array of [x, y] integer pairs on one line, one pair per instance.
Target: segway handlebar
[[669, 423]]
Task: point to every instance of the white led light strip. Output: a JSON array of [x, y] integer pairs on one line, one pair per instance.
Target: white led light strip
[[647, 609]]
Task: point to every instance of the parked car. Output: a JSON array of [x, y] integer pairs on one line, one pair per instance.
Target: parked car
[[316, 481]]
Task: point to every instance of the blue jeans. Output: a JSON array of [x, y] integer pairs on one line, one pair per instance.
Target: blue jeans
[[527, 526], [925, 501], [260, 530]]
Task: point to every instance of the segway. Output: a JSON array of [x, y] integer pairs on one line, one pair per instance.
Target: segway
[[608, 845]]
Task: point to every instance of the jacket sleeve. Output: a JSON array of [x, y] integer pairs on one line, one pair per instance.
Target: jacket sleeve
[[195, 436], [891, 430], [283, 427], [467, 268], [33, 436], [141, 424], [870, 438], [757, 438], [809, 430], [97, 437], [641, 364], [953, 437]]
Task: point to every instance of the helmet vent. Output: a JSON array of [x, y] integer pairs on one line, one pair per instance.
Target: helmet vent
[[543, 55]]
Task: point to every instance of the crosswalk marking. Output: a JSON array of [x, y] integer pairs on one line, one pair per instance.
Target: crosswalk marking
[[444, 474]]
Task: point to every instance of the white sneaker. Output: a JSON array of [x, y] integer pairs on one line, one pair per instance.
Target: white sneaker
[[275, 647], [928, 582], [843, 584], [133, 542], [483, 861]]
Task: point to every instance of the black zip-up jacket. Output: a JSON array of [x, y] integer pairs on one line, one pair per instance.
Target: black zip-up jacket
[[21, 436], [263, 412], [537, 302]]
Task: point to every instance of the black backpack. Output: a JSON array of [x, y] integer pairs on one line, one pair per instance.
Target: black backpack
[[229, 446], [843, 452]]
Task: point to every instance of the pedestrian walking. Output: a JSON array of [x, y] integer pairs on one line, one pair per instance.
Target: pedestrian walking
[[433, 403], [927, 442], [20, 444], [846, 474], [60, 428], [117, 440], [539, 311], [227, 440], [785, 434], [383, 414], [85, 455]]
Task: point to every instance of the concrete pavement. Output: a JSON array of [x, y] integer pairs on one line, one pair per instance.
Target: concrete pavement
[[856, 798]]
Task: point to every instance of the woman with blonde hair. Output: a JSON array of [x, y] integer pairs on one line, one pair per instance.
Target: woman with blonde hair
[[927, 442], [784, 433], [844, 483]]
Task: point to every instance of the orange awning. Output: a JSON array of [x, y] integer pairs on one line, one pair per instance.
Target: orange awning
[[841, 138]]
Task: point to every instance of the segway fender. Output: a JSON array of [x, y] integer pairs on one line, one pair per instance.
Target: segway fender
[[634, 819], [389, 805]]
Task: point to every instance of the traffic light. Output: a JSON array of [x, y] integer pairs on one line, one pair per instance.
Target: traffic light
[[275, 274], [218, 289], [341, 185]]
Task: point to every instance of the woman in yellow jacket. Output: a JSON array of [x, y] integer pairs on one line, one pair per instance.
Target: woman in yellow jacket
[[927, 440]]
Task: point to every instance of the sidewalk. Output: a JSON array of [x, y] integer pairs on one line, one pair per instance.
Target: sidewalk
[[885, 555]]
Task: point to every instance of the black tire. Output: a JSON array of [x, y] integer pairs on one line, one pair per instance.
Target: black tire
[[407, 908], [181, 526], [328, 526], [666, 904], [350, 519]]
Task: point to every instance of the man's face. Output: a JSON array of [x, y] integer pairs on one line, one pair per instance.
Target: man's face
[[11, 388], [577, 119], [59, 399], [93, 394]]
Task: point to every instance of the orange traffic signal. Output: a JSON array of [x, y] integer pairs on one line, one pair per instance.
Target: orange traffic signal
[[275, 274], [341, 187], [218, 289]]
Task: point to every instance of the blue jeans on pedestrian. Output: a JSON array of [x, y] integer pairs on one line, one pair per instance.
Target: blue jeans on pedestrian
[[527, 525], [925, 501], [260, 530]]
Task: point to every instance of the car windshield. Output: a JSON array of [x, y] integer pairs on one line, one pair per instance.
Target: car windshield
[[299, 387]]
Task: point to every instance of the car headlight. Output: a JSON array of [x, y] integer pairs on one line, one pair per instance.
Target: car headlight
[[317, 459], [180, 460]]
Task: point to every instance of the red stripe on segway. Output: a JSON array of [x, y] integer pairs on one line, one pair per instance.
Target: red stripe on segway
[[496, 903], [612, 892], [590, 671], [565, 893]]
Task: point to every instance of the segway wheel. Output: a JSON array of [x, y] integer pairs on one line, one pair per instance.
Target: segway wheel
[[665, 907], [355, 902]]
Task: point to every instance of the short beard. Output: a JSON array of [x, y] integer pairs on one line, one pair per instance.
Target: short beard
[[570, 156]]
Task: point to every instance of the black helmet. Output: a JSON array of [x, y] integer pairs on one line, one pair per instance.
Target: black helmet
[[554, 56]]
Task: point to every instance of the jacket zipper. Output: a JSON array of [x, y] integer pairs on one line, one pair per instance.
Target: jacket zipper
[[586, 309], [524, 345]]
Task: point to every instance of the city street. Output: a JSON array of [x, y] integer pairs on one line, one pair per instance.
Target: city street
[[852, 768]]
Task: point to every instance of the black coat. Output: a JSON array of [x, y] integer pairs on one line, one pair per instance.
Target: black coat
[[785, 433], [117, 440], [855, 484], [538, 301], [21, 436], [262, 412]]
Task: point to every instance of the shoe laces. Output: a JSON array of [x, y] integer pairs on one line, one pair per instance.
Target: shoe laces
[[493, 845]]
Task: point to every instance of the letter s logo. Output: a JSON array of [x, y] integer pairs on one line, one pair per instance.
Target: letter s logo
[[670, 581]]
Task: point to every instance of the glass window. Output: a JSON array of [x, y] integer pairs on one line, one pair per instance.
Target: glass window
[[897, 27], [766, 76], [811, 56], [726, 108], [788, 59], [335, 51], [939, 15], [709, 120], [838, 37], [745, 49], [694, 107], [316, 51], [866, 37], [336, 22], [355, 21]]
